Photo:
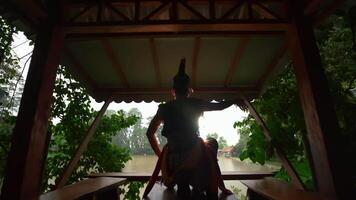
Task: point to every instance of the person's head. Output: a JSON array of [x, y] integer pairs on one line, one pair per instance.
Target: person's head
[[181, 82]]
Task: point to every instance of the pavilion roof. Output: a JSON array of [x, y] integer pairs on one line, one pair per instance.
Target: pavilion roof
[[130, 50]]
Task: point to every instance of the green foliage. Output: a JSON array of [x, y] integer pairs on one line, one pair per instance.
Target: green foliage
[[221, 140], [238, 193], [9, 74], [7, 123], [135, 138], [6, 32], [133, 190], [71, 108], [244, 132], [302, 165], [281, 110]]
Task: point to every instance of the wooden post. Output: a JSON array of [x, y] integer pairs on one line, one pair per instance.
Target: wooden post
[[287, 165], [28, 146], [323, 138], [81, 148]]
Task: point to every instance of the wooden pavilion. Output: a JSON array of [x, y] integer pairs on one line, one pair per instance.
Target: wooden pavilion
[[128, 50]]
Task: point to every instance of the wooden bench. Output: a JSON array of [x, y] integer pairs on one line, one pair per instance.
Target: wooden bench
[[133, 176], [273, 189], [101, 188]]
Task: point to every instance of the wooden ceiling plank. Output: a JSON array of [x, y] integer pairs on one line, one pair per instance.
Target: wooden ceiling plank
[[158, 11], [79, 68], [236, 59], [155, 59], [191, 29], [115, 62], [273, 64], [196, 51]]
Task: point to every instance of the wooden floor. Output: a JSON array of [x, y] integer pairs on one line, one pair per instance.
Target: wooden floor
[[160, 192]]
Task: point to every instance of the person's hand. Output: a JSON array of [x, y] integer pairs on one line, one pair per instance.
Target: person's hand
[[226, 192]]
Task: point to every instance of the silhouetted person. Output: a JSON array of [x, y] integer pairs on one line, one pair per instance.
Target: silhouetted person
[[186, 159]]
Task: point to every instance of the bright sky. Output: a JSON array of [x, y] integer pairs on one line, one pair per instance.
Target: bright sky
[[220, 122]]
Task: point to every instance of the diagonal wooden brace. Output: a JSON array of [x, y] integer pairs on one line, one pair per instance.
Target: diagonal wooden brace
[[287, 165], [81, 148]]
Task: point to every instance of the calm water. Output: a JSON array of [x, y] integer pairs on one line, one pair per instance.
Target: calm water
[[146, 164]]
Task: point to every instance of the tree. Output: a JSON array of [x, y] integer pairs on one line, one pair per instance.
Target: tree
[[9, 76], [244, 133], [135, 138], [71, 107], [221, 140], [281, 110]]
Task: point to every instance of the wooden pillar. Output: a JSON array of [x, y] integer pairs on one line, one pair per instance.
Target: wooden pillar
[[323, 136], [25, 161], [81, 148]]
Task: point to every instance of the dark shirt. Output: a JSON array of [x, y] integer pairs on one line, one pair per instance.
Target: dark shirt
[[180, 118]]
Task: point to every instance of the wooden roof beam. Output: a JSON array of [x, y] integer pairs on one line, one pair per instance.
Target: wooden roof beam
[[155, 61], [115, 62], [192, 10], [232, 10], [196, 51], [236, 59], [264, 11], [158, 11], [169, 29]]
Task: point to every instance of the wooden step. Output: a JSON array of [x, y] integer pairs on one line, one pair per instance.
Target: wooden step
[[160, 192], [133, 176], [101, 188]]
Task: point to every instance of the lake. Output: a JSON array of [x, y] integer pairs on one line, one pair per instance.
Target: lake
[[142, 163]]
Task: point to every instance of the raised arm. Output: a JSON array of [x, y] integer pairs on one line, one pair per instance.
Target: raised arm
[[152, 128], [209, 106]]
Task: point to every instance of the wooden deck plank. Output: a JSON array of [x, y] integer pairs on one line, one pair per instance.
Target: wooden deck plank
[[83, 188], [137, 176], [160, 192], [271, 188]]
